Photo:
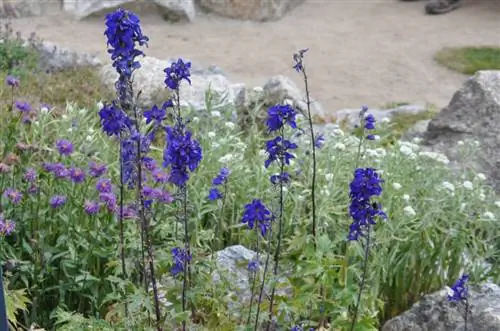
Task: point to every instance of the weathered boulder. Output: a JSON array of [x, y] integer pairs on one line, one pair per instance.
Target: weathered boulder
[[149, 79], [52, 57], [173, 10], [254, 10], [472, 115], [26, 8], [435, 313]]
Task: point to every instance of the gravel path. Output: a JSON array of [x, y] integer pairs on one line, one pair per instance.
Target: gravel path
[[361, 51]]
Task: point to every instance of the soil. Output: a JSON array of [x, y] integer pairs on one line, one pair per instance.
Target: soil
[[361, 51]]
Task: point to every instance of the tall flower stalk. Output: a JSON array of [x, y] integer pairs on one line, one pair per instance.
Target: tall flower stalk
[[460, 293]]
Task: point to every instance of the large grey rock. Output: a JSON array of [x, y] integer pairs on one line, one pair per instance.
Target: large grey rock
[[26, 8], [435, 313], [255, 10], [175, 10], [149, 79], [473, 114], [54, 58]]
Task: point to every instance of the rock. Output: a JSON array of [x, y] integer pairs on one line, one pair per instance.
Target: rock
[[472, 115], [173, 10], [149, 79], [233, 266], [255, 10], [54, 58], [26, 8], [350, 117], [417, 130], [434, 312]]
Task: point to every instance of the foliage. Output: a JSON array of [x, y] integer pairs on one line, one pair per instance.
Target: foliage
[[469, 60], [16, 58]]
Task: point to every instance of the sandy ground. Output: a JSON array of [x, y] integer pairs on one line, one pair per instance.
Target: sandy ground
[[361, 51]]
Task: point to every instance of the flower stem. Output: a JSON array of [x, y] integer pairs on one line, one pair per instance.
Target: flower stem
[[266, 265], [122, 235]]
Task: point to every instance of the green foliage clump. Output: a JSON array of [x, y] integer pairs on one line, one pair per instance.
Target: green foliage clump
[[469, 60]]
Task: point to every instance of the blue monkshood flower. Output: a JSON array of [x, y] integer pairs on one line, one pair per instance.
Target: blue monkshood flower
[[280, 178], [155, 114], [182, 154], [6, 226], [297, 59], [97, 170], [103, 185], [13, 195], [215, 194], [123, 31], [257, 214], [23, 106], [365, 185], [180, 259], [177, 72], [12, 81], [221, 178], [277, 150], [319, 141], [370, 122], [30, 175], [297, 328], [65, 147], [279, 115], [91, 207], [460, 289], [57, 201], [77, 175], [114, 120], [253, 266]]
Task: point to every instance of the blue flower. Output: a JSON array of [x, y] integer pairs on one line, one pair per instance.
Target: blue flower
[[215, 194], [319, 141], [460, 289], [297, 59], [221, 178], [279, 115], [12, 81], [23, 106], [155, 114], [365, 185], [257, 214], [180, 259], [123, 32], [113, 119], [65, 147], [182, 154], [370, 122], [177, 72], [253, 266], [280, 178], [277, 150]]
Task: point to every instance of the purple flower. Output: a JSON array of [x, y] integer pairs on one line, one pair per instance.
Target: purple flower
[[6, 226], [57, 201], [460, 289], [319, 141], [215, 194], [13, 195], [297, 59], [253, 266], [159, 176], [32, 189], [30, 175], [77, 175], [177, 72], [156, 114], [104, 185], [113, 119], [279, 115], [257, 214], [23, 106], [97, 170], [370, 122], [277, 150], [65, 147], [280, 178], [149, 163], [221, 178], [161, 196], [109, 199], [180, 259], [12, 81], [91, 207], [129, 212]]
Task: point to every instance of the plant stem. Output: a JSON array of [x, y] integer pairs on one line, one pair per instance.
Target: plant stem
[[363, 279], [266, 265], [187, 266], [122, 235], [254, 281], [466, 314]]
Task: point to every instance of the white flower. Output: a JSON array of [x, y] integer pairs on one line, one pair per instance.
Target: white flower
[[449, 186], [405, 150], [301, 198], [481, 176], [100, 105], [36, 123], [376, 137], [215, 145], [338, 132], [196, 119], [468, 185], [406, 197], [215, 113], [396, 186], [409, 211], [417, 140], [90, 130], [339, 146], [435, 156], [88, 138], [489, 215], [230, 125], [211, 134], [462, 206], [482, 197], [226, 158], [325, 192], [44, 110], [329, 177], [64, 117], [497, 203], [385, 120], [70, 130], [262, 153], [460, 143]]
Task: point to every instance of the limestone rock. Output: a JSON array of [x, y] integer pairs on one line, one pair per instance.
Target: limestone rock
[[26, 8], [174, 10], [255, 10], [435, 313], [473, 114]]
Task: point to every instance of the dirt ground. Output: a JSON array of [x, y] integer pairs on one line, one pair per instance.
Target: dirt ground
[[361, 51]]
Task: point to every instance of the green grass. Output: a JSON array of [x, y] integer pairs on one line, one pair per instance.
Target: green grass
[[468, 60]]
